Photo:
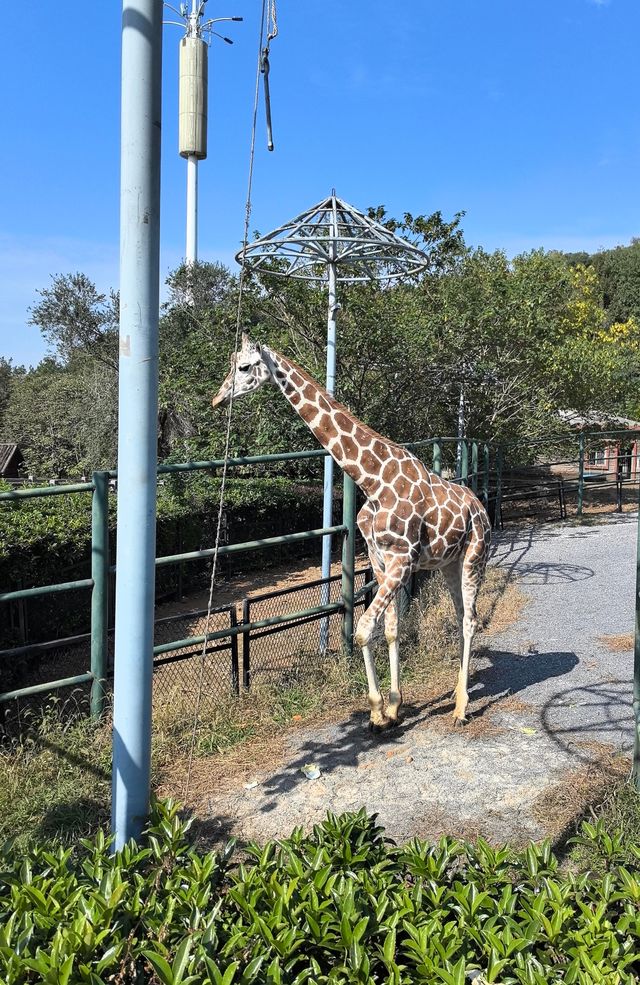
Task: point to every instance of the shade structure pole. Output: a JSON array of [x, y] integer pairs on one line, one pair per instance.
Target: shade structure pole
[[327, 501], [138, 400], [460, 433]]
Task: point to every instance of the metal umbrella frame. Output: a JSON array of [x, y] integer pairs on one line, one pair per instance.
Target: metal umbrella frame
[[332, 243], [334, 233]]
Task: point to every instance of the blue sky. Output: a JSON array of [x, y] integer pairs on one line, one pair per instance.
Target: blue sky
[[523, 113]]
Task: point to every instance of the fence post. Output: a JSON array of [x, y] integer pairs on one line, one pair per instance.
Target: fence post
[[180, 571], [497, 516], [636, 667], [348, 560], [246, 644], [464, 462], [100, 590], [485, 475], [580, 473], [437, 457], [368, 595], [474, 466], [618, 493], [235, 663]]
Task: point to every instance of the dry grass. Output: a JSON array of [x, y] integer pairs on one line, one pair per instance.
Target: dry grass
[[561, 807], [55, 776], [240, 732], [432, 636], [618, 642]]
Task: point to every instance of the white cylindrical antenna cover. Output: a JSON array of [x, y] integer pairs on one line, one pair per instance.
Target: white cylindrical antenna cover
[[193, 98]]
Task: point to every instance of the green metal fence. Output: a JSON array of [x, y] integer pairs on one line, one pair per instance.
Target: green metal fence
[[574, 474], [476, 470]]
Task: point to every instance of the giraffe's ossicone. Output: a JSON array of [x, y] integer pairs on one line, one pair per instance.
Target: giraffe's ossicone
[[412, 519]]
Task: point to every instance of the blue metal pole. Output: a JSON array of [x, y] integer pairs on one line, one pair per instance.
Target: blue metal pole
[[327, 497], [137, 432]]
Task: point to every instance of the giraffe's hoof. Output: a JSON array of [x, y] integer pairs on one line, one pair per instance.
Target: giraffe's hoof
[[384, 724], [460, 721]]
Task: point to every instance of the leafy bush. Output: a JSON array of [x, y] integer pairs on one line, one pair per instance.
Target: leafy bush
[[48, 540], [340, 905]]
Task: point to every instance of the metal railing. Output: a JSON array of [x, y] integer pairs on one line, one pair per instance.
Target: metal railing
[[569, 480], [474, 470]]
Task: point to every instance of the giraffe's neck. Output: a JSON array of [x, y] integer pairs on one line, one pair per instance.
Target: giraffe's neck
[[347, 439]]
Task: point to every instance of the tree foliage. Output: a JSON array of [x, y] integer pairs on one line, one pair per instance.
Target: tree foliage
[[518, 339]]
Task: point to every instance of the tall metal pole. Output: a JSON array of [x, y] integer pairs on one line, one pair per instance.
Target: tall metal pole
[[138, 399], [191, 249], [460, 433], [327, 501], [348, 560]]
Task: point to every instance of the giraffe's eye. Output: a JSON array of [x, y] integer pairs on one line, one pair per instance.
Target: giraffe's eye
[[244, 367]]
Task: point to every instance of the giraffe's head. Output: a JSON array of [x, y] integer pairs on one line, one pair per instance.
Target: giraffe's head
[[248, 372]]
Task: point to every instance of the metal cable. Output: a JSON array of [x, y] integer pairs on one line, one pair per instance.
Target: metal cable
[[196, 717]]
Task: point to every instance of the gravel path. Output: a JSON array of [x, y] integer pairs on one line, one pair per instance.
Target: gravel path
[[551, 693]]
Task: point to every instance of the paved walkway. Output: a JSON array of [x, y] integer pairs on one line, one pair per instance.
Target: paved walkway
[[551, 694], [580, 581]]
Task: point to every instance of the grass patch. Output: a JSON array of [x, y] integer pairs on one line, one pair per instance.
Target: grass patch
[[55, 778]]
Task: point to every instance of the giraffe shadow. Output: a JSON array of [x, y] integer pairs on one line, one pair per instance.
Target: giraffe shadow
[[348, 743], [502, 674]]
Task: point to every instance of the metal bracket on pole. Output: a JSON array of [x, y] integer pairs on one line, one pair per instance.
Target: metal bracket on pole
[[264, 68]]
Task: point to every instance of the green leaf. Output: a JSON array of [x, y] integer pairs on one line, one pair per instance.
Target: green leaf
[[180, 961], [160, 966]]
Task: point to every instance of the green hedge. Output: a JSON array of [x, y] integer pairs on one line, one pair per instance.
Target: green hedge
[[48, 540], [341, 905]]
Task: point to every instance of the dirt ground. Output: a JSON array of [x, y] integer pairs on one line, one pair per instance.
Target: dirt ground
[[551, 720]]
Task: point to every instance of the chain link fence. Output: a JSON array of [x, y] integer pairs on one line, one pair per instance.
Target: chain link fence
[[229, 663]]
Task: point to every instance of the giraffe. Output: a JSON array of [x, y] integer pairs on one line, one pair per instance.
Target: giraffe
[[412, 519]]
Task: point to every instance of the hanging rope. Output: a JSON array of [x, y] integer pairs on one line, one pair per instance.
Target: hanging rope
[[245, 242]]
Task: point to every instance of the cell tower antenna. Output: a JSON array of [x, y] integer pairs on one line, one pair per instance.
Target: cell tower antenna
[[193, 109]]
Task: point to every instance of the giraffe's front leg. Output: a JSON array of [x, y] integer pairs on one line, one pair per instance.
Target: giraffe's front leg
[[394, 575], [364, 638]]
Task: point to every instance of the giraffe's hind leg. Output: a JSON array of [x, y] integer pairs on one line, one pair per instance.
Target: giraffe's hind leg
[[463, 579], [378, 718], [452, 575]]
